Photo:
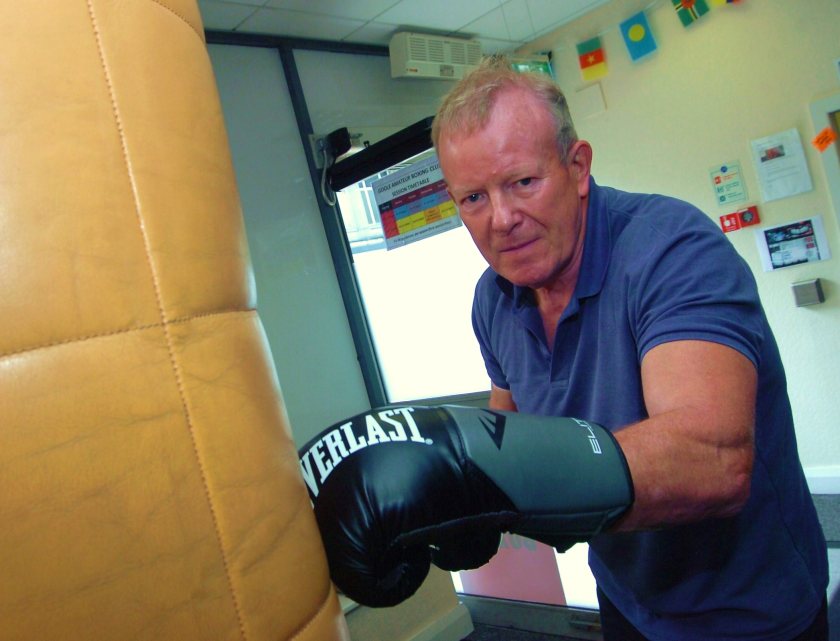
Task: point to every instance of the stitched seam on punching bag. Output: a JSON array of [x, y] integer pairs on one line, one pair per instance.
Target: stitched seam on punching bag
[[125, 330], [321, 608], [162, 312], [180, 17]]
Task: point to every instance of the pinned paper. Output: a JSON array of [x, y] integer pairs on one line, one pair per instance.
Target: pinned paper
[[803, 241], [414, 204], [824, 139], [728, 183], [690, 11], [593, 63], [781, 165], [637, 36], [589, 101]]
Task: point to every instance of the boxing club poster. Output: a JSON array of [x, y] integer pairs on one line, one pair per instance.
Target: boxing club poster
[[414, 204]]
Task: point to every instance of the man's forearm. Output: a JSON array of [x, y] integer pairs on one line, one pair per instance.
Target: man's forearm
[[682, 477]]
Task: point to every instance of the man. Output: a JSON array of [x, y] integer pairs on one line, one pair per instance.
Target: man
[[633, 311]]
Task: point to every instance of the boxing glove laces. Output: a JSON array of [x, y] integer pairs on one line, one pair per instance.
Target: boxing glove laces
[[396, 489]]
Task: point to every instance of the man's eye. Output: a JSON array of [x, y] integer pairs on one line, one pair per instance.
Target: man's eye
[[472, 198], [525, 182]]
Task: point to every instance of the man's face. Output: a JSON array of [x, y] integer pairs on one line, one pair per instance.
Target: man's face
[[524, 207]]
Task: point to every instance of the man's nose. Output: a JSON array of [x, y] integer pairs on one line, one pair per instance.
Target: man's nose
[[504, 215]]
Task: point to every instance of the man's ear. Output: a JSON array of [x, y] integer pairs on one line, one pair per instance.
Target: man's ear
[[580, 164]]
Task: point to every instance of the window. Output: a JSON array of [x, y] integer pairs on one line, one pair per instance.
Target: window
[[418, 300], [361, 215]]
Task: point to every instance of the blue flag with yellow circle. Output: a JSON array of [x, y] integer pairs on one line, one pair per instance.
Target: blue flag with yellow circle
[[637, 36]]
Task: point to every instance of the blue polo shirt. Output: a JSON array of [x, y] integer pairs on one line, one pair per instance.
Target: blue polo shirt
[[656, 269]]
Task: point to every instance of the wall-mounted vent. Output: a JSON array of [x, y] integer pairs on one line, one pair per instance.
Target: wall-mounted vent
[[418, 55]]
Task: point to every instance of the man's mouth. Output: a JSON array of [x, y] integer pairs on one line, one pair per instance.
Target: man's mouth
[[514, 247]]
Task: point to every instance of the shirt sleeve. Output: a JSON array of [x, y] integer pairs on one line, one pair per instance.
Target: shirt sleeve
[[693, 285]]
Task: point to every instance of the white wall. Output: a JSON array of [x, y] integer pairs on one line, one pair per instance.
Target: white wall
[[297, 291], [298, 295], [742, 72]]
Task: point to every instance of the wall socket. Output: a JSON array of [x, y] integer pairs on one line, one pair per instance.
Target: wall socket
[[808, 292], [317, 143]]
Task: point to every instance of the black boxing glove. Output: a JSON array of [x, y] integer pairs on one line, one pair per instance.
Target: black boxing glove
[[395, 489]]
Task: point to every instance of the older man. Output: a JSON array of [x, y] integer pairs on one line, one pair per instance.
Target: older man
[[635, 312]]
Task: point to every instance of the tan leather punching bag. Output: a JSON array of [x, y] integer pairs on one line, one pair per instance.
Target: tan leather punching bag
[[149, 486]]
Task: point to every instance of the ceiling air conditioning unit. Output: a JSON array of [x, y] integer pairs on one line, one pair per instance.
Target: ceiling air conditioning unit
[[419, 55]]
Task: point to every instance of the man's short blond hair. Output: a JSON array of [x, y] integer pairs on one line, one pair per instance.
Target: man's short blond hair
[[468, 106]]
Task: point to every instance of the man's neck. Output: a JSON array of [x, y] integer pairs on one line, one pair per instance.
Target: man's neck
[[553, 297], [551, 303]]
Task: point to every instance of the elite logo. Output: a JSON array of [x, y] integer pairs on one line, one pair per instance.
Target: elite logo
[[494, 424], [593, 440]]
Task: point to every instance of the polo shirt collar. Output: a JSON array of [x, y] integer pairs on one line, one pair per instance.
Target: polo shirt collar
[[597, 244]]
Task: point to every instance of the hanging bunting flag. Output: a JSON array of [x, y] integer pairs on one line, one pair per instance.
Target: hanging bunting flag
[[690, 11], [593, 64], [637, 36]]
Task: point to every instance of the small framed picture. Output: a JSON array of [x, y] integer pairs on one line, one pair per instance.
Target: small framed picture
[[801, 241]]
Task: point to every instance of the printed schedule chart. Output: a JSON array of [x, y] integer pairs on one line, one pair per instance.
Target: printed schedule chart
[[414, 204]]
